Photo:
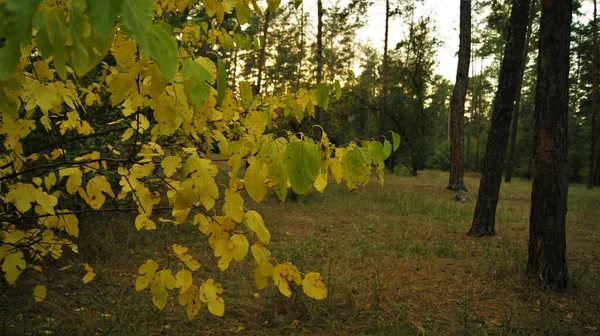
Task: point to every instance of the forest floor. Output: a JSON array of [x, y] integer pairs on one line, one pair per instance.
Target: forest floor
[[395, 258]]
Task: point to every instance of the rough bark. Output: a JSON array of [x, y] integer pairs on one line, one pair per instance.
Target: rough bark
[[300, 47], [384, 82], [457, 101], [504, 103], [515, 120], [263, 52], [594, 135], [319, 55], [547, 262]]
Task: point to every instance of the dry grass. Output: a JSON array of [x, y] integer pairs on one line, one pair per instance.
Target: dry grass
[[396, 260]]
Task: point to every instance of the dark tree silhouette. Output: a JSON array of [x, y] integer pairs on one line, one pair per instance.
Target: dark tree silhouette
[[547, 262], [457, 101], [504, 103]]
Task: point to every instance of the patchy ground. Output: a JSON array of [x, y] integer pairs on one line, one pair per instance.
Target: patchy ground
[[395, 258]]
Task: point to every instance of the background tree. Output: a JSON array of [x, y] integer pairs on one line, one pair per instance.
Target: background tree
[[592, 176], [457, 102], [504, 103], [510, 161], [547, 262], [411, 80]]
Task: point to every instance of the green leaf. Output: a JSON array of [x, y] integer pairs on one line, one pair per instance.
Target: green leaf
[[338, 90], [58, 36], [356, 167], [301, 165], [197, 77], [297, 3], [375, 150], [277, 175], [43, 45], [15, 31], [221, 82], [242, 12], [103, 15], [162, 48], [387, 149], [7, 103], [322, 95], [273, 5], [395, 140], [80, 58], [78, 21], [137, 17]]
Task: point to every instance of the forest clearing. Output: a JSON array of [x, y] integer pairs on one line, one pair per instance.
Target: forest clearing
[[274, 167], [396, 259]]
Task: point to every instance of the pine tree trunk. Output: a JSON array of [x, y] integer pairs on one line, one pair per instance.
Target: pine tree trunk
[[515, 121], [300, 48], [457, 101], [319, 55], [594, 135], [263, 52], [384, 83], [504, 103], [547, 262]]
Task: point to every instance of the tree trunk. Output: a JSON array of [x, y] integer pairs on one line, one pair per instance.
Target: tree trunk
[[547, 262], [235, 63], [319, 55], [263, 52], [300, 48], [384, 83], [457, 101], [504, 103], [594, 135], [478, 120], [515, 121]]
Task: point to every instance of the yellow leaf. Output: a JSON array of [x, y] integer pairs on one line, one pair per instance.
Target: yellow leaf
[[191, 300], [39, 293], [336, 169], [240, 248], [127, 134], [147, 272], [233, 206], [74, 181], [162, 281], [254, 180], [13, 266], [254, 221], [37, 181], [22, 196], [89, 275], [170, 164], [217, 307], [283, 274], [223, 250], [209, 295], [314, 286], [42, 70], [50, 180], [260, 280], [47, 202], [95, 190], [183, 280], [71, 224], [143, 222], [321, 182], [179, 250]]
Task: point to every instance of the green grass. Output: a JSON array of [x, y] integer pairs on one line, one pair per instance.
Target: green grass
[[396, 260]]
